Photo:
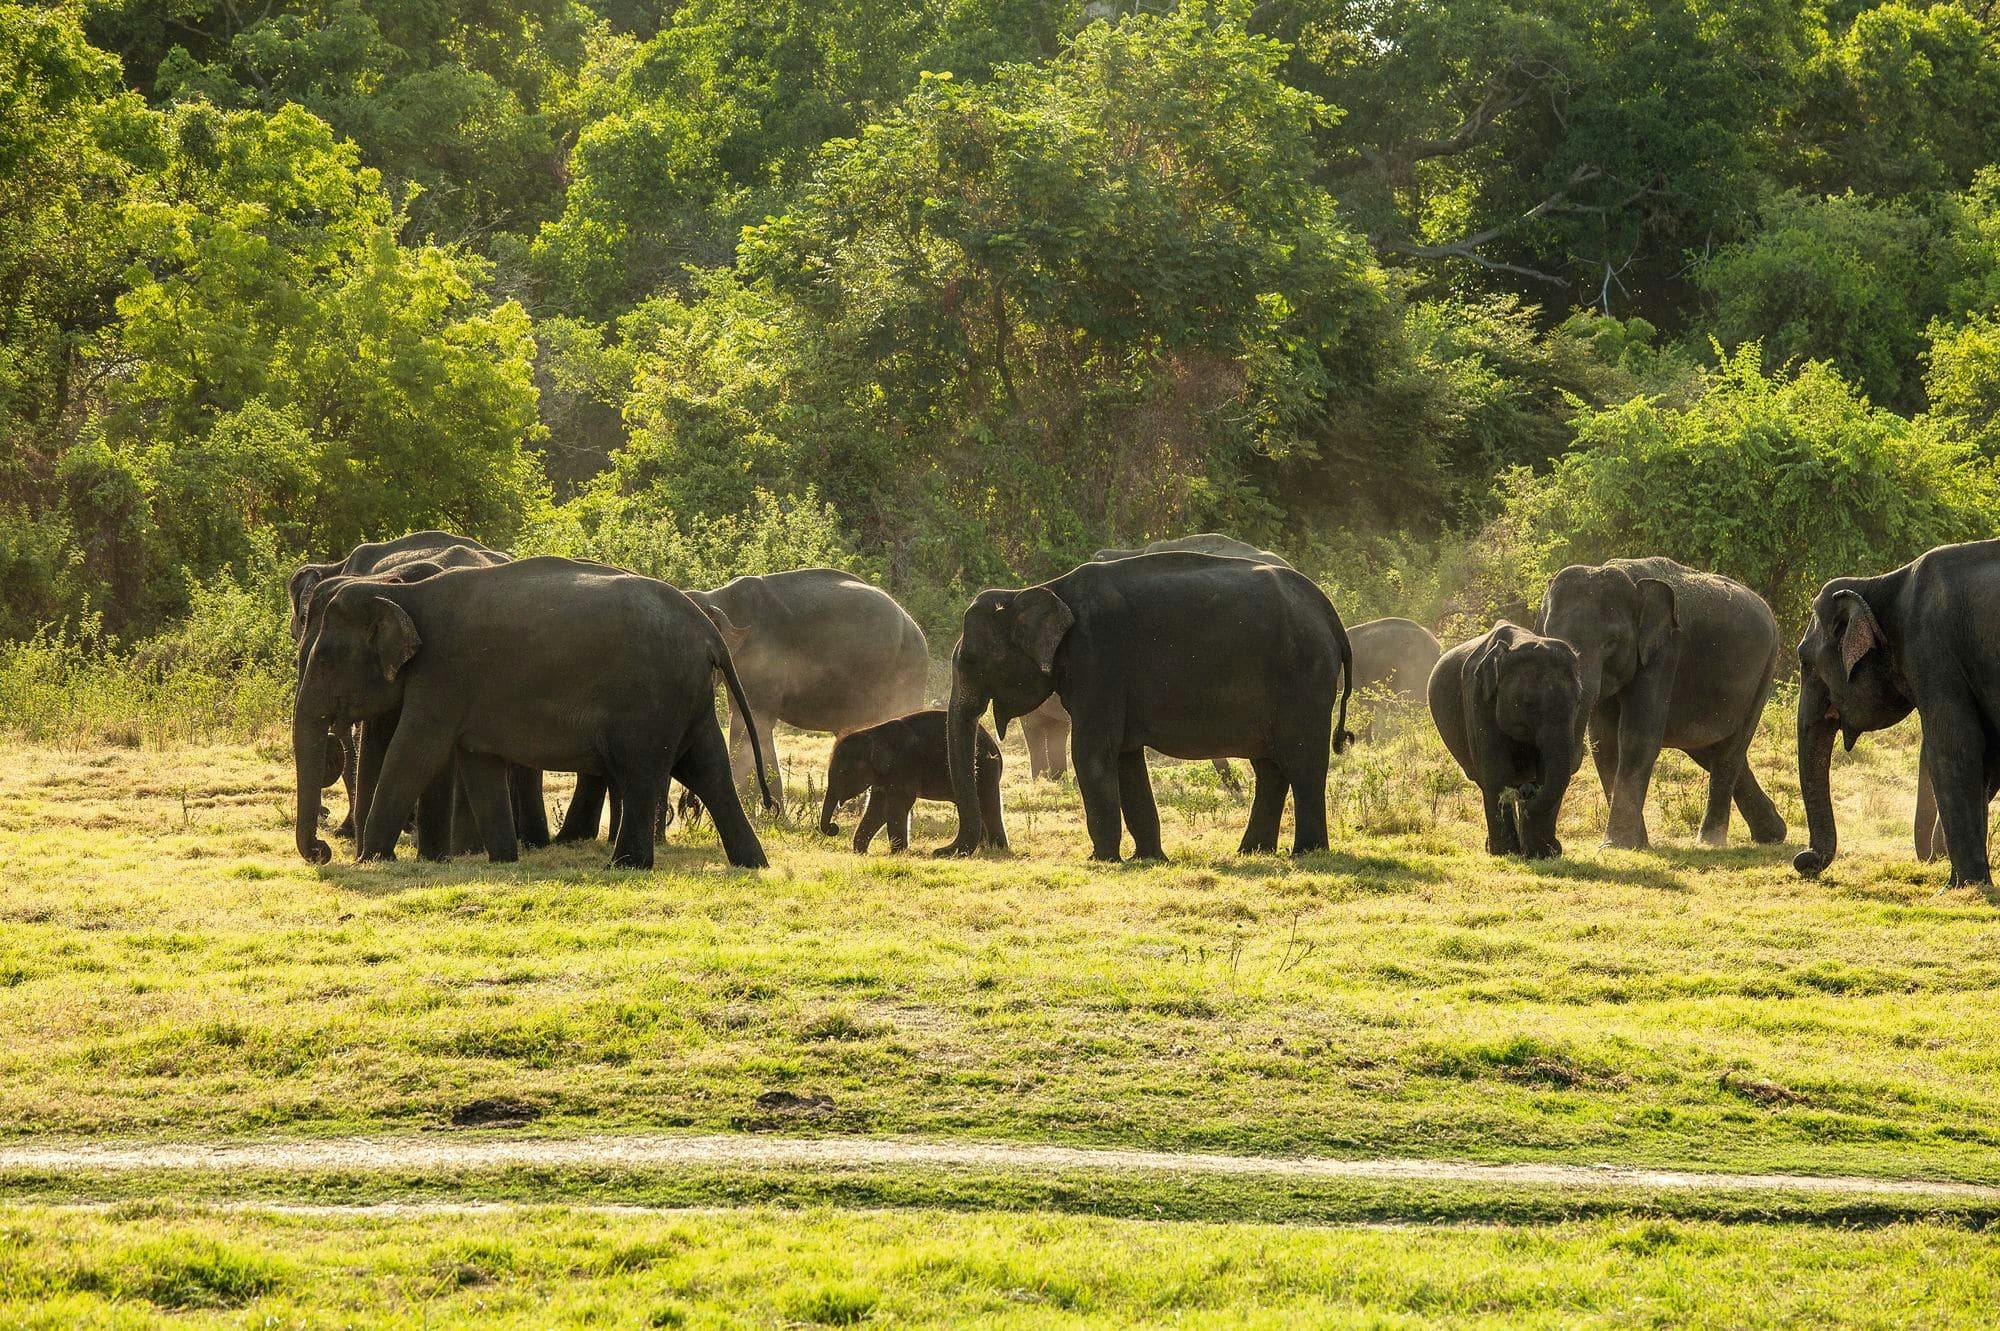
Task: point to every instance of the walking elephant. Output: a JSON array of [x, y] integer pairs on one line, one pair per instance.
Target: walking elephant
[[1191, 655], [898, 763], [1671, 658], [1509, 707], [546, 663], [1924, 637]]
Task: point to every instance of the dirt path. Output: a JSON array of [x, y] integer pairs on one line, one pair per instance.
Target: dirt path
[[436, 1155]]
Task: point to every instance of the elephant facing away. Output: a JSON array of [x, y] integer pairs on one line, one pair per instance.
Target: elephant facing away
[[1046, 731], [1924, 638], [1509, 707], [547, 663], [1671, 658], [1191, 655]]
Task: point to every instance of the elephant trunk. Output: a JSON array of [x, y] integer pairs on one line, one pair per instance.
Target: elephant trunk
[[962, 723], [1816, 732], [309, 742], [827, 826], [1540, 804]]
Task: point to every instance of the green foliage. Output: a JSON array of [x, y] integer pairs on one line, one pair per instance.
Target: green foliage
[[1963, 382], [1016, 318], [1780, 482], [769, 536]]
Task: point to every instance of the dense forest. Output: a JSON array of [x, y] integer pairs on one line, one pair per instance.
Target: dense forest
[[1432, 297]]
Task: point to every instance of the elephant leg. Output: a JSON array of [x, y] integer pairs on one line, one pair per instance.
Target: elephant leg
[[1503, 834], [1033, 737], [1227, 775], [1724, 764], [1267, 807], [704, 770], [1924, 823], [1641, 723], [1135, 801], [1957, 764], [464, 838], [1604, 745], [900, 805], [638, 776], [416, 764], [350, 778], [374, 746], [1097, 782], [1309, 798], [585, 815], [873, 817], [531, 814], [1760, 812], [989, 803], [489, 793]]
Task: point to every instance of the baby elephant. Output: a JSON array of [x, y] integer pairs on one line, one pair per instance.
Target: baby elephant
[[1509, 707], [898, 763]]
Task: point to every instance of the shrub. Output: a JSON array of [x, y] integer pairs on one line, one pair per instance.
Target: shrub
[[1780, 482]]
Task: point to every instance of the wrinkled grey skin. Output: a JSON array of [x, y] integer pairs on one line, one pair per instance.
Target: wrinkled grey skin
[[1671, 658], [898, 763], [1190, 655], [1924, 638], [1202, 543], [406, 559], [1509, 706], [815, 648], [615, 679]]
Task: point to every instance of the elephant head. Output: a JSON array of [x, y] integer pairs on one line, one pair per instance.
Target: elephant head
[[1617, 623], [352, 671], [1531, 687], [1849, 682], [849, 773], [1005, 659]]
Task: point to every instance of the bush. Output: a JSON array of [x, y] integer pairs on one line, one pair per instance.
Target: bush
[[771, 535], [1780, 482]]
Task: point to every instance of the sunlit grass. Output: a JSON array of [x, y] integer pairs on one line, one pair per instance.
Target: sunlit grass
[[168, 966]]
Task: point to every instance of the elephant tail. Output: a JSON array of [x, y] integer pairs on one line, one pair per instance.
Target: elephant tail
[[1342, 736], [728, 668]]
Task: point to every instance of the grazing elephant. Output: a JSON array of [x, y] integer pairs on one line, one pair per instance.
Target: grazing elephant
[[1203, 543], [1509, 706], [1671, 658], [547, 663], [898, 763], [1192, 655], [1046, 730], [1925, 637], [406, 559]]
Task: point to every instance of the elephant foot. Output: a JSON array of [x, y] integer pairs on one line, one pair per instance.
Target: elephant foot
[[1770, 836], [346, 828], [1614, 842], [1715, 840], [1153, 856], [957, 850], [1553, 850], [1810, 863]]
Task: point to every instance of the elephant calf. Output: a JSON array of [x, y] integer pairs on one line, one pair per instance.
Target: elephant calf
[[900, 762], [1509, 706]]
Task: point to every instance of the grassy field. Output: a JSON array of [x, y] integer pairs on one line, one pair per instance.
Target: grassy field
[[760, 1268], [169, 970]]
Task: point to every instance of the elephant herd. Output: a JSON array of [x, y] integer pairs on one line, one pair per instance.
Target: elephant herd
[[440, 679]]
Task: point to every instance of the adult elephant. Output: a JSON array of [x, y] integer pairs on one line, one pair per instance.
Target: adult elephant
[[1509, 707], [1925, 637], [1671, 658], [406, 559], [614, 677], [1390, 655], [815, 648], [1191, 655]]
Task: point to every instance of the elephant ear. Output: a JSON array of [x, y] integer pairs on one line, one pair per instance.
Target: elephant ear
[[303, 582], [1040, 621], [1659, 617], [392, 634], [1860, 634], [1484, 669]]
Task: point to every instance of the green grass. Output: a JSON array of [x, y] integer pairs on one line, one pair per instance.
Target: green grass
[[169, 968], [191, 1267]]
